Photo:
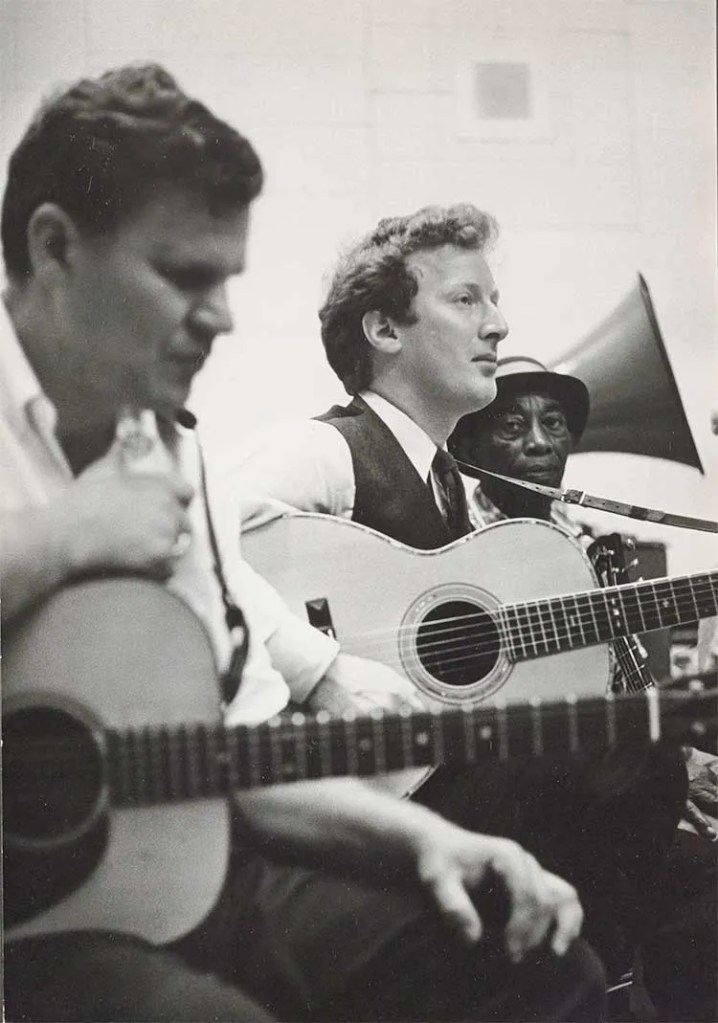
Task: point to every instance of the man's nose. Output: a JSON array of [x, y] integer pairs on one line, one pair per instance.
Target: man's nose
[[493, 325], [212, 312], [537, 439]]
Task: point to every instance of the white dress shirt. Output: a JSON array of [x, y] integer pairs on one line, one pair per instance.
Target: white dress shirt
[[286, 655], [307, 465]]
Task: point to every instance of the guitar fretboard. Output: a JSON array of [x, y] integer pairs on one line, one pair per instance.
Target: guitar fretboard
[[550, 626], [165, 765]]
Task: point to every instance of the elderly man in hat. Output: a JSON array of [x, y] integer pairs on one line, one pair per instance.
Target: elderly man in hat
[[527, 433]]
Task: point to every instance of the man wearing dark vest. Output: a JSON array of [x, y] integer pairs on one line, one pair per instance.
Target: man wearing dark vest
[[411, 325]]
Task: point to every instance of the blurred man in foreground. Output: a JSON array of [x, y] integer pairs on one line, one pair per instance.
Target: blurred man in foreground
[[125, 213]]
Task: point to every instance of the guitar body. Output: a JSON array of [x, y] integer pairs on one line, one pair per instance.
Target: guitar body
[[121, 653], [379, 595]]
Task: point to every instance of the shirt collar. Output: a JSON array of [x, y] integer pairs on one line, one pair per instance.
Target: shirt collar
[[22, 399], [416, 444], [484, 512]]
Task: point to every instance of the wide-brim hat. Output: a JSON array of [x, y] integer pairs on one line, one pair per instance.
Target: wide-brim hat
[[519, 375]]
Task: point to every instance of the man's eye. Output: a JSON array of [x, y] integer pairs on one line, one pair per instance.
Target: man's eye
[[465, 299], [511, 427], [555, 423]]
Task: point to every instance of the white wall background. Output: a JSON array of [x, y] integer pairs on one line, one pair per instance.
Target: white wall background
[[356, 109]]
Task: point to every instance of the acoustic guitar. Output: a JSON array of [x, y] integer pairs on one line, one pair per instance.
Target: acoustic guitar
[[117, 767], [514, 610]]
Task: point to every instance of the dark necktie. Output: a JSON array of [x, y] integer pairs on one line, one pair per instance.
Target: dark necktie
[[451, 491]]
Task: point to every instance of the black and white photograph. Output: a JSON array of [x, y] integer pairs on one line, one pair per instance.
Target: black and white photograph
[[358, 511]]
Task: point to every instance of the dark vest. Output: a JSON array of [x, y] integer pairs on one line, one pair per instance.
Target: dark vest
[[390, 496]]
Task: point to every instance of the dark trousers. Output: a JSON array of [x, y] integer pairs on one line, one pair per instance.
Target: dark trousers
[[310, 946], [104, 977], [680, 957], [304, 945], [608, 825]]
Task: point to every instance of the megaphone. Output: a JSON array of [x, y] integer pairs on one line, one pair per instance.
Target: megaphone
[[635, 403]]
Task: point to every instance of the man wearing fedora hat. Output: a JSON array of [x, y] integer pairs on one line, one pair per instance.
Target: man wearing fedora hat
[[528, 433]]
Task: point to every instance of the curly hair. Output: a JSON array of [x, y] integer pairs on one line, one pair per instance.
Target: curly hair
[[374, 275], [104, 147]]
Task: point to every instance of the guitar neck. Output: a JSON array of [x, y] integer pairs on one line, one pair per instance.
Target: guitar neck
[[542, 627], [166, 765]]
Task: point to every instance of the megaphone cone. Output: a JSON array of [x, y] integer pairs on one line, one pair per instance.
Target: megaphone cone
[[635, 404]]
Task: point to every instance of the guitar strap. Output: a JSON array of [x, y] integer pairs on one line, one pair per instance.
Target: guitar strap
[[236, 623], [580, 497]]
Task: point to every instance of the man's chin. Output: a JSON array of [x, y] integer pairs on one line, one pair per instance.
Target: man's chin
[[482, 396]]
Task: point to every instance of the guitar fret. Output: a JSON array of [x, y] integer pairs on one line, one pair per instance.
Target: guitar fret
[[232, 748], [141, 765], [299, 743], [174, 776], [437, 735], [214, 776], [536, 727], [603, 614], [512, 633], [526, 630], [254, 750], [540, 642], [378, 742], [574, 621], [365, 746], [274, 743], [588, 603], [351, 740], [337, 731], [325, 749], [665, 602], [503, 731], [708, 602], [632, 613], [422, 738], [407, 755], [561, 629]]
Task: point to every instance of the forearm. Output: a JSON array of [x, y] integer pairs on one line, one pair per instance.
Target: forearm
[[343, 823], [33, 560]]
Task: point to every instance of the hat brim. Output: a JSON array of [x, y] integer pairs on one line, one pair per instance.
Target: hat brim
[[570, 392]]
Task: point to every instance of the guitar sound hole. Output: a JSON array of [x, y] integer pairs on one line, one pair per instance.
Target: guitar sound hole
[[52, 774], [458, 643]]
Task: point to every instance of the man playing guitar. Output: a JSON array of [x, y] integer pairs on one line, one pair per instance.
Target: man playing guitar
[[411, 325], [125, 213]]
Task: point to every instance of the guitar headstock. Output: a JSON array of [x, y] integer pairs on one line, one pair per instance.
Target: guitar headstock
[[608, 555]]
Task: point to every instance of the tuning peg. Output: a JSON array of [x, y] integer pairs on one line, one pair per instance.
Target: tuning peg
[[629, 543], [633, 563]]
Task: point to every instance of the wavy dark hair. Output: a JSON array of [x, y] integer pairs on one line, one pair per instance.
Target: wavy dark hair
[[373, 275], [105, 146]]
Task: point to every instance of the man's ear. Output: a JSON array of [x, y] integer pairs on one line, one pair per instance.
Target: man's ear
[[51, 238], [380, 332]]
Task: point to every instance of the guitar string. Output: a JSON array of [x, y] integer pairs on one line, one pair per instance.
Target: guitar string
[[592, 613]]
